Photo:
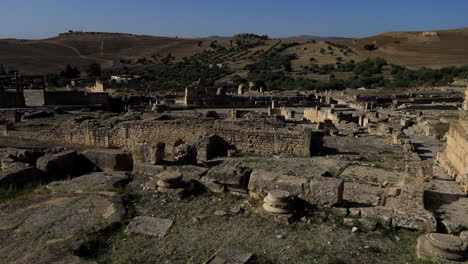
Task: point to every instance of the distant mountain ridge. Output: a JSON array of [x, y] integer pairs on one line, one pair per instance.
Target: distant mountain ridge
[[317, 38], [297, 38]]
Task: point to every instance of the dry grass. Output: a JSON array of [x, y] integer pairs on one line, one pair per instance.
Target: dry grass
[[51, 55]]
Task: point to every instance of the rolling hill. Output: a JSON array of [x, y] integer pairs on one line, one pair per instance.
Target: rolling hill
[[116, 50]]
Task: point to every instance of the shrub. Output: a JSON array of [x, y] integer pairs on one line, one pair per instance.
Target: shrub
[[370, 47]]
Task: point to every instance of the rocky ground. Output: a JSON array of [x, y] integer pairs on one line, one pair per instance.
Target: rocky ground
[[120, 217]]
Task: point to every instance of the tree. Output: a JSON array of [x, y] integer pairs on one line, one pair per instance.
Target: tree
[[70, 72], [94, 70], [370, 47]]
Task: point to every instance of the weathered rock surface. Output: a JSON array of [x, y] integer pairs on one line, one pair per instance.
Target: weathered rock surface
[[185, 154], [20, 174], [441, 247], [231, 256], [146, 153], [49, 226], [326, 191], [147, 169], [231, 174], [150, 226], [409, 211], [61, 165], [110, 159], [261, 182], [28, 156]]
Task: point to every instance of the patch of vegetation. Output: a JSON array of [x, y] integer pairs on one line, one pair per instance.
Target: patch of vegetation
[[336, 45], [441, 128], [13, 193], [370, 47]]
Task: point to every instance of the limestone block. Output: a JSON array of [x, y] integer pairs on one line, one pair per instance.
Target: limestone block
[[110, 159], [326, 191], [147, 153], [229, 174], [191, 172], [414, 217], [150, 226], [19, 174], [383, 215], [185, 154], [231, 256], [60, 165], [147, 169], [261, 182]]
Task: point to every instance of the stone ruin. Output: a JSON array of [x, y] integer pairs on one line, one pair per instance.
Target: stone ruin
[[182, 155], [454, 159]]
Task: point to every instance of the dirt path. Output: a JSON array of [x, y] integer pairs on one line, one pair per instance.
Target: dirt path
[[104, 62]]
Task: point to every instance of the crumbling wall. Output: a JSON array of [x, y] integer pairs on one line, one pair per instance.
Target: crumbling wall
[[455, 156], [320, 115], [252, 138]]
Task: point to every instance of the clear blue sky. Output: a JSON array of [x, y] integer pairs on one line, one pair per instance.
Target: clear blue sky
[[199, 18]]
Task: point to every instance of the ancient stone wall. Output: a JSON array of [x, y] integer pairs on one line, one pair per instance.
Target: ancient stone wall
[[247, 137], [455, 156], [320, 115]]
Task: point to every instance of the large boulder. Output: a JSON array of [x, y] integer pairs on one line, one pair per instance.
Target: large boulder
[[109, 159], [61, 165], [232, 176], [262, 181], [147, 153], [326, 191]]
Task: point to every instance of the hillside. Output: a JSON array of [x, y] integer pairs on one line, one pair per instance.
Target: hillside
[[115, 51]]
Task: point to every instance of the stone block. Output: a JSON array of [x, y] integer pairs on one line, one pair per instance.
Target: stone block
[[19, 174], [110, 159], [414, 217], [150, 226], [261, 182], [231, 256], [383, 215], [229, 174], [185, 154], [326, 191], [147, 153], [60, 165], [147, 169]]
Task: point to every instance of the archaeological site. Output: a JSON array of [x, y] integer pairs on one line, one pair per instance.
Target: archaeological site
[[124, 148]]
